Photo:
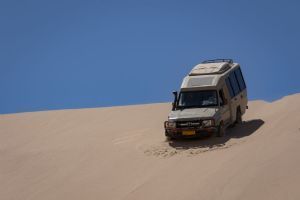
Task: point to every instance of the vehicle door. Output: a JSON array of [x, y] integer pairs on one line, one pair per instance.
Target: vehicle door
[[224, 106], [233, 89], [243, 90]]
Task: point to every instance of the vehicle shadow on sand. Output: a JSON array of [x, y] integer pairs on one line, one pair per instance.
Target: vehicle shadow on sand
[[212, 142]]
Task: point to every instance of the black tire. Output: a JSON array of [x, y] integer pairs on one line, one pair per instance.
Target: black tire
[[239, 119], [168, 137], [221, 130]]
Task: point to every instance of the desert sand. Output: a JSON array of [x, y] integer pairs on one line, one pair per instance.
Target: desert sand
[[121, 153]]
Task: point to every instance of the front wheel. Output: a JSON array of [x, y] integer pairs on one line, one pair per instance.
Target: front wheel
[[168, 137], [221, 130]]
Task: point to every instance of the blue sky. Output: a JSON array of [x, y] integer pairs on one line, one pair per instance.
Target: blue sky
[[77, 54]]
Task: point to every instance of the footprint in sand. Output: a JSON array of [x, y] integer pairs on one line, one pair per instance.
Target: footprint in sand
[[165, 149]]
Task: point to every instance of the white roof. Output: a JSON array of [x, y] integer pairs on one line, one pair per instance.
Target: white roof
[[200, 81], [209, 68]]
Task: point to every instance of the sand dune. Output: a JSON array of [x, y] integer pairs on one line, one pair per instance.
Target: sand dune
[[121, 153]]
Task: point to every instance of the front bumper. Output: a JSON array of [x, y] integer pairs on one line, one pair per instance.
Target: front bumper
[[179, 132]]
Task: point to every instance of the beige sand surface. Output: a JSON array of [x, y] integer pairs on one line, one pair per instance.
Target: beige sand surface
[[121, 153]]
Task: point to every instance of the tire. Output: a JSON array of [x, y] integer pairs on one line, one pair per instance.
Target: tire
[[221, 130], [239, 119], [168, 137]]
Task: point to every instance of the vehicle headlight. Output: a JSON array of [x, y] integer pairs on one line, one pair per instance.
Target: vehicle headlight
[[208, 122], [169, 124]]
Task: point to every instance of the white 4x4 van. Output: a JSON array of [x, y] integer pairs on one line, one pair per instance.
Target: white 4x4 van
[[212, 97]]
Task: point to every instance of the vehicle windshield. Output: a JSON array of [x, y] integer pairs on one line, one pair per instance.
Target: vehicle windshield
[[198, 99]]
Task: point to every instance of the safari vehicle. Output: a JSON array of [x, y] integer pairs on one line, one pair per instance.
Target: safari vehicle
[[212, 97]]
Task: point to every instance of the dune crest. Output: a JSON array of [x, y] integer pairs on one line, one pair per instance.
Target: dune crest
[[121, 153]]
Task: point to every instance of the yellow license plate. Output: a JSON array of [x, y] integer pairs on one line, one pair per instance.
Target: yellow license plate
[[189, 132]]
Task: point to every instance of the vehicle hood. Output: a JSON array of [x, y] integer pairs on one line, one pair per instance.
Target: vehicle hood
[[191, 113]]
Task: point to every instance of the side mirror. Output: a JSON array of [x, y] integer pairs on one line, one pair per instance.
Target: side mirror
[[175, 93]]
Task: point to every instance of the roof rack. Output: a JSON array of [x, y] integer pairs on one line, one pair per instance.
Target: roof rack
[[218, 60]]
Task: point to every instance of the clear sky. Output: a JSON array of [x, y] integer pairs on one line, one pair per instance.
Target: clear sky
[[76, 54]]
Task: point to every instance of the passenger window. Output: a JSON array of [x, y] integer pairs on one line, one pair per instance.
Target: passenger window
[[222, 99], [240, 79], [229, 87], [234, 84]]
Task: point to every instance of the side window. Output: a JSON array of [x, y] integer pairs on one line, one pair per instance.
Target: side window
[[234, 83], [229, 87], [240, 79], [222, 99]]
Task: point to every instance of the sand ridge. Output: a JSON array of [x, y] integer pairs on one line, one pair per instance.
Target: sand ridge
[[121, 153]]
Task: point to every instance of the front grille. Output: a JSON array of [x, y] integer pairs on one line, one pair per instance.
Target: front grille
[[189, 124]]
